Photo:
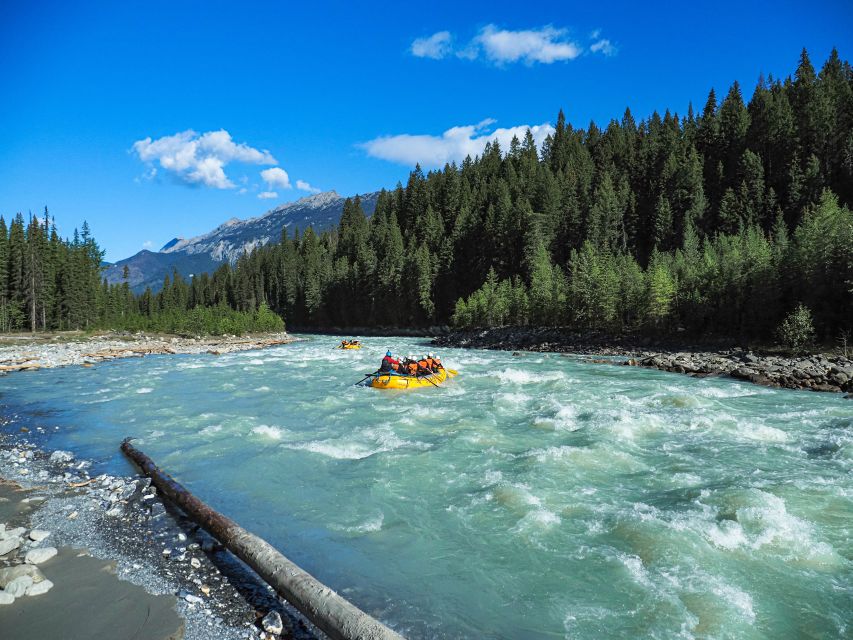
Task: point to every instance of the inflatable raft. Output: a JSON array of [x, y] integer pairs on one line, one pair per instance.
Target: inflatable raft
[[398, 381]]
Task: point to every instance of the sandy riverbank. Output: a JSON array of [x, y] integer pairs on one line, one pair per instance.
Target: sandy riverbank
[[46, 351], [127, 565]]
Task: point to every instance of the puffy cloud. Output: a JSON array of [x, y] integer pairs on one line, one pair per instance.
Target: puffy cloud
[[267, 195], [437, 46], [545, 45], [304, 186], [603, 46], [199, 159], [276, 177], [451, 146], [147, 244]]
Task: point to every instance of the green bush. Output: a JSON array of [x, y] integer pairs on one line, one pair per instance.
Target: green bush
[[797, 330]]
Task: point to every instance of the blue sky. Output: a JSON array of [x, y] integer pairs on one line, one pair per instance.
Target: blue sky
[[157, 119]]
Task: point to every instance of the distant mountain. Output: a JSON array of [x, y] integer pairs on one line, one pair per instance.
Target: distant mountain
[[229, 240]]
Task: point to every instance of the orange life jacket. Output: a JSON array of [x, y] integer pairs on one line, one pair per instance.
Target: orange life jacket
[[413, 368]]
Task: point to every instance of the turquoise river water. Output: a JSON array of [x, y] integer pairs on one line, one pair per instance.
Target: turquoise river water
[[531, 497]]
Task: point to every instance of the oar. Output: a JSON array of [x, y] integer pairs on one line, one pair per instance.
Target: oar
[[427, 377], [366, 377]]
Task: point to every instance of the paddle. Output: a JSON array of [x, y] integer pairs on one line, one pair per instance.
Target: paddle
[[427, 377], [366, 377]]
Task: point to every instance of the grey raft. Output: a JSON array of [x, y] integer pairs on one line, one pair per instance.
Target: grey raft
[[332, 614]]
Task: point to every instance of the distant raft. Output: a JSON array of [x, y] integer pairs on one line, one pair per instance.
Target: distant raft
[[350, 346], [398, 381]]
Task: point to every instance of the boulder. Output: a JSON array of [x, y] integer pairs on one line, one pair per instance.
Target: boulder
[[17, 532], [18, 587], [37, 535], [9, 574], [272, 623], [8, 545], [39, 588], [6, 598], [39, 555], [61, 456]]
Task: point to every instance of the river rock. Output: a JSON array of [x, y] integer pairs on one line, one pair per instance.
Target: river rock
[[19, 586], [39, 555], [39, 588], [272, 623], [8, 574], [61, 456], [37, 535], [6, 598], [17, 532], [8, 545]]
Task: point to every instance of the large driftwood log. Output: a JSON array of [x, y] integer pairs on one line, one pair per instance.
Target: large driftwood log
[[334, 615]]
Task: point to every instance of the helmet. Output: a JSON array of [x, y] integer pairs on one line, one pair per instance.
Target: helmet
[[388, 353], [430, 355]]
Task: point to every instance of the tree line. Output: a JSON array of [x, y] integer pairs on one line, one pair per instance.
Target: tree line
[[718, 221], [50, 283]]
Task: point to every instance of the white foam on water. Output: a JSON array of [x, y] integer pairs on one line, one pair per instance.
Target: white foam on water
[[492, 477], [520, 376], [685, 479], [512, 400], [144, 390], [729, 391], [589, 458], [256, 361], [727, 535], [268, 431], [368, 526], [371, 442], [210, 430], [770, 528], [736, 598], [264, 388], [156, 434], [763, 433], [636, 569]]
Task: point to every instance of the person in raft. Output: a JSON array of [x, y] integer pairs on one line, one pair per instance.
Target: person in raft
[[389, 363]]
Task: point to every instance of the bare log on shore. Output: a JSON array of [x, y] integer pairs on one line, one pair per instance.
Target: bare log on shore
[[332, 614]]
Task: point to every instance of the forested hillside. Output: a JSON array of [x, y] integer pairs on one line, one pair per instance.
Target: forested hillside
[[719, 221]]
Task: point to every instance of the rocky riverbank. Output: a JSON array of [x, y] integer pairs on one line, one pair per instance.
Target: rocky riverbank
[[54, 515], [22, 353], [817, 372]]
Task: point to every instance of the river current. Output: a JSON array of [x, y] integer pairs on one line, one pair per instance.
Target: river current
[[533, 496]]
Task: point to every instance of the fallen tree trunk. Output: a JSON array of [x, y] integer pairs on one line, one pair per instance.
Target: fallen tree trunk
[[334, 615]]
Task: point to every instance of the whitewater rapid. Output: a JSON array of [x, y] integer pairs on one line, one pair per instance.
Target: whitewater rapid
[[530, 497]]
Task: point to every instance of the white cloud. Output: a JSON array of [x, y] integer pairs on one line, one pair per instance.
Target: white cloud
[[147, 244], [437, 46], [603, 46], [195, 158], [304, 186], [451, 146], [544, 45], [267, 195], [276, 177]]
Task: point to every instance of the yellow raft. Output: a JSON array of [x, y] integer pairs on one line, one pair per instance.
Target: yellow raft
[[349, 346], [388, 381]]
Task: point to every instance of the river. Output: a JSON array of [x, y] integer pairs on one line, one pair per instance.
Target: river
[[538, 496]]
